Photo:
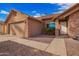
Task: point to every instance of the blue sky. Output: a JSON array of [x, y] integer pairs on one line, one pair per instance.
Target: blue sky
[[33, 9]]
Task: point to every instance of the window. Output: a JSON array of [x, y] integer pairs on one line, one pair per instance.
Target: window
[[51, 25]]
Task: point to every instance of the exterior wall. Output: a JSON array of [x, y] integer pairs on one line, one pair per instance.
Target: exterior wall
[[26, 29], [16, 16], [6, 28], [1, 28], [35, 28], [73, 24]]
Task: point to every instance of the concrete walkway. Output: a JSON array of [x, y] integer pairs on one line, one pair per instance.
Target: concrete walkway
[[57, 46], [34, 44]]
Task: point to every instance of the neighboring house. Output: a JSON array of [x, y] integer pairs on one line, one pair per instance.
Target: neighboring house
[[22, 25]]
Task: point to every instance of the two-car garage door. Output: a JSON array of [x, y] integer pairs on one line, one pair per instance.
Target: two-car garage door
[[16, 29]]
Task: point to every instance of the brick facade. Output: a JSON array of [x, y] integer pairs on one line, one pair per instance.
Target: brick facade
[[73, 24]]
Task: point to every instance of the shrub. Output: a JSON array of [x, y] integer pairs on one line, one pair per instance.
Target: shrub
[[49, 31]]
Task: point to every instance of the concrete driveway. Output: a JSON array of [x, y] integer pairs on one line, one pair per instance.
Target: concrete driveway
[[58, 46]]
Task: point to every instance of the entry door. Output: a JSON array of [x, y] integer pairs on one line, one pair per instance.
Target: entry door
[[63, 29]]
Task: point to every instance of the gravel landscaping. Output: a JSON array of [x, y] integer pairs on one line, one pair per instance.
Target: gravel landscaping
[[72, 47], [9, 48]]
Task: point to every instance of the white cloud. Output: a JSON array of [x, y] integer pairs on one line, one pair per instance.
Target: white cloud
[[38, 15], [63, 7], [4, 12]]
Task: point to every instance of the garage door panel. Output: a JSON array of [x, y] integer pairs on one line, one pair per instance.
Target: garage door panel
[[17, 29]]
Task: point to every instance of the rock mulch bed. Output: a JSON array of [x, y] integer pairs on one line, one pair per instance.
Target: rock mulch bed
[[9, 48], [72, 47]]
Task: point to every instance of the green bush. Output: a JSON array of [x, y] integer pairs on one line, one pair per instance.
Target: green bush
[[49, 31]]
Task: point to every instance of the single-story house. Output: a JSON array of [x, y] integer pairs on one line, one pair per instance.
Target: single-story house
[[22, 25]]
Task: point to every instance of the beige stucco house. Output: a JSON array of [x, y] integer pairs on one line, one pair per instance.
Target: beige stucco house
[[22, 25]]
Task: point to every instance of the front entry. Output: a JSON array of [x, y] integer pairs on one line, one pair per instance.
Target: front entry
[[50, 28], [63, 29]]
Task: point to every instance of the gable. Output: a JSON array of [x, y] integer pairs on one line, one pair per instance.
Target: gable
[[15, 16]]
